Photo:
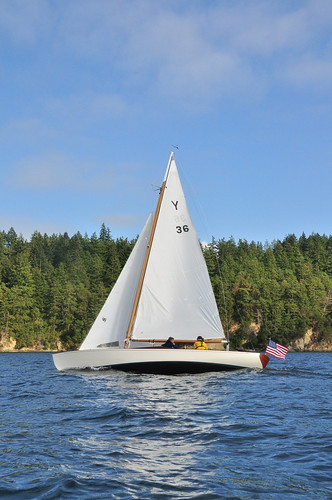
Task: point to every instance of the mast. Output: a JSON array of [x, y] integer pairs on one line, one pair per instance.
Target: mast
[[148, 250]]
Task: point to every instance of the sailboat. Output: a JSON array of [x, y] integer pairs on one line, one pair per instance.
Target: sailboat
[[163, 291]]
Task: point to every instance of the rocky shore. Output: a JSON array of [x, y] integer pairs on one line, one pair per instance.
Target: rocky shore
[[308, 343]]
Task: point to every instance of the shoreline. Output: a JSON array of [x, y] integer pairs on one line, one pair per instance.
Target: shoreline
[[53, 351]]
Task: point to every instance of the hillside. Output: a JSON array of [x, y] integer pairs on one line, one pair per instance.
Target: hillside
[[52, 287]]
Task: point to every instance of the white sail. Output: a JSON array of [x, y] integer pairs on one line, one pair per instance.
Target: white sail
[[164, 290], [176, 297], [110, 326]]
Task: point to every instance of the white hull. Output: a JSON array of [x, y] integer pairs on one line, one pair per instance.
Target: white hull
[[159, 360]]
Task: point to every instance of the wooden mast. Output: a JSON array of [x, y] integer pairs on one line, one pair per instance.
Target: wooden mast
[[146, 258]]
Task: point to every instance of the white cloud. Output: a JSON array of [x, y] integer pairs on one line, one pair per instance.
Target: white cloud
[[202, 50], [120, 220], [86, 106], [185, 50], [27, 130], [261, 28], [309, 71], [26, 22], [56, 171], [26, 226]]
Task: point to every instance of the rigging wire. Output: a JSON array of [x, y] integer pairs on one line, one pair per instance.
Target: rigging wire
[[214, 250]]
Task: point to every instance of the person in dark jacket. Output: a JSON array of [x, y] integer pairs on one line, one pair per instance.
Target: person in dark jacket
[[170, 344]]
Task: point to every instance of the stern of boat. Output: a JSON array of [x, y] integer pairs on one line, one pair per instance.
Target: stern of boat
[[264, 360]]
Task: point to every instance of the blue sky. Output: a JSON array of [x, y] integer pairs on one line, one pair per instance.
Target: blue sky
[[94, 94]]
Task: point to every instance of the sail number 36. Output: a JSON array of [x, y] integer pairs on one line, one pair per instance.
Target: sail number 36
[[182, 229]]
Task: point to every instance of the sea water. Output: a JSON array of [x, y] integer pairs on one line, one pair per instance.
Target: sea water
[[107, 434]]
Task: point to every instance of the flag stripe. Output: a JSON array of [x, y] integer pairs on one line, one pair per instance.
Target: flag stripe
[[277, 350], [274, 353]]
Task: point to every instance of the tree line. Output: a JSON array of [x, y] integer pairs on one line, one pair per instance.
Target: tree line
[[52, 287]]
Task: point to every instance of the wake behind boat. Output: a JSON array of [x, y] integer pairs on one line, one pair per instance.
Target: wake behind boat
[[163, 291]]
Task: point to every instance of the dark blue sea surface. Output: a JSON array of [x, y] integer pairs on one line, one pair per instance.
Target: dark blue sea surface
[[94, 435]]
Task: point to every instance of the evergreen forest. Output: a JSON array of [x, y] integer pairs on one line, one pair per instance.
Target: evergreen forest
[[52, 287]]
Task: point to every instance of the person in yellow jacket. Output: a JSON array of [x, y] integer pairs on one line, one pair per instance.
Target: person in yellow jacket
[[200, 344]]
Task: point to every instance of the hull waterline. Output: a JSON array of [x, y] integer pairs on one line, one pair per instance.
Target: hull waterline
[[159, 360]]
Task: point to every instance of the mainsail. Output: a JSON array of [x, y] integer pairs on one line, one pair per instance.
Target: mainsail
[[176, 298]]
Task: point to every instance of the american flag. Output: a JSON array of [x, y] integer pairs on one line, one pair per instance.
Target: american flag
[[276, 350]]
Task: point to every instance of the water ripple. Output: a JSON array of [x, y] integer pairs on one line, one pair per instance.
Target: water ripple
[[245, 434]]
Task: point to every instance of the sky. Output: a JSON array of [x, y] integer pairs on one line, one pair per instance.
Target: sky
[[96, 94]]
